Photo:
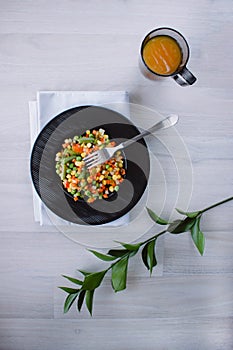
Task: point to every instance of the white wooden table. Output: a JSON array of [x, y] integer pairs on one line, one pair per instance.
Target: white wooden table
[[93, 45]]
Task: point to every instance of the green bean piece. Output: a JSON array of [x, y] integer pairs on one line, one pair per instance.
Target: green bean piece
[[69, 152], [86, 139], [67, 159], [63, 173]]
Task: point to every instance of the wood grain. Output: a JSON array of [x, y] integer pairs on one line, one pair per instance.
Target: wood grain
[[198, 333]]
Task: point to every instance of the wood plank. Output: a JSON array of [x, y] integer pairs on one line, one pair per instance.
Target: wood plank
[[181, 256], [160, 297], [196, 333], [100, 17]]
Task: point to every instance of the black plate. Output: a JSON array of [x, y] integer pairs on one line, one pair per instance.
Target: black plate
[[48, 185]]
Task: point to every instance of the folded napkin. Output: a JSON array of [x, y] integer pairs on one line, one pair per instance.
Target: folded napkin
[[49, 104]]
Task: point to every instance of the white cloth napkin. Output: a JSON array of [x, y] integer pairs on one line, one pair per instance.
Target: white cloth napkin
[[49, 104]]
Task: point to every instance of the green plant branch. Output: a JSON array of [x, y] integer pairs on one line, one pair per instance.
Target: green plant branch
[[119, 258], [153, 237], [217, 204]]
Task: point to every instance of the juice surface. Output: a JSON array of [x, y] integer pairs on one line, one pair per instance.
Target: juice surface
[[162, 54]]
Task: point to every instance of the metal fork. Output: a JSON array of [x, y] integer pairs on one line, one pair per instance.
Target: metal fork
[[104, 154]]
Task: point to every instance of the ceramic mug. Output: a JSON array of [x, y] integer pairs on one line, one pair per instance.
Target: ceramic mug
[[165, 53]]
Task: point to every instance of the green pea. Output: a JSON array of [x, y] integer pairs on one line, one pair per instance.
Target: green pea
[[71, 166], [107, 166], [68, 171], [78, 158], [116, 188], [73, 192]]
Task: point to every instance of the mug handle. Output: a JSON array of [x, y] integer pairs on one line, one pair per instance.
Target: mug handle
[[185, 77]]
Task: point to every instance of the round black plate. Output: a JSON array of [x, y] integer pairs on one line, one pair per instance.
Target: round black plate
[[48, 184]]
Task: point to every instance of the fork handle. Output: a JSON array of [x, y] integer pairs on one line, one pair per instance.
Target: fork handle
[[163, 124]]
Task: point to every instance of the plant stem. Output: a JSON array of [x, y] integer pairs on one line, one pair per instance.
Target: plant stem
[[153, 237], [217, 204]]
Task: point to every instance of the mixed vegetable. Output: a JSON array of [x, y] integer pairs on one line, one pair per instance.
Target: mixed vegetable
[[96, 183]]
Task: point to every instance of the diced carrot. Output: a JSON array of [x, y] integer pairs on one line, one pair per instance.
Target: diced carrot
[[77, 148]]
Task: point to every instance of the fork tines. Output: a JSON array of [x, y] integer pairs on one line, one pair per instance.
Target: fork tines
[[92, 159]]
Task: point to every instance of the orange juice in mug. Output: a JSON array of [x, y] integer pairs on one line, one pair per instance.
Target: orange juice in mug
[[165, 52]]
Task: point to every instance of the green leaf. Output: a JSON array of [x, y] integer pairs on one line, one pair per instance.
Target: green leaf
[[179, 226], [190, 214], [93, 280], [118, 252], [102, 256], [69, 290], [156, 218], [119, 274], [198, 236], [81, 299], [130, 247], [84, 273], [69, 301], [132, 253], [89, 300], [74, 280], [148, 255]]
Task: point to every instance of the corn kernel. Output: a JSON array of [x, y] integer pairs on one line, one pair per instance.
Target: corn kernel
[[101, 131], [83, 154], [111, 188]]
